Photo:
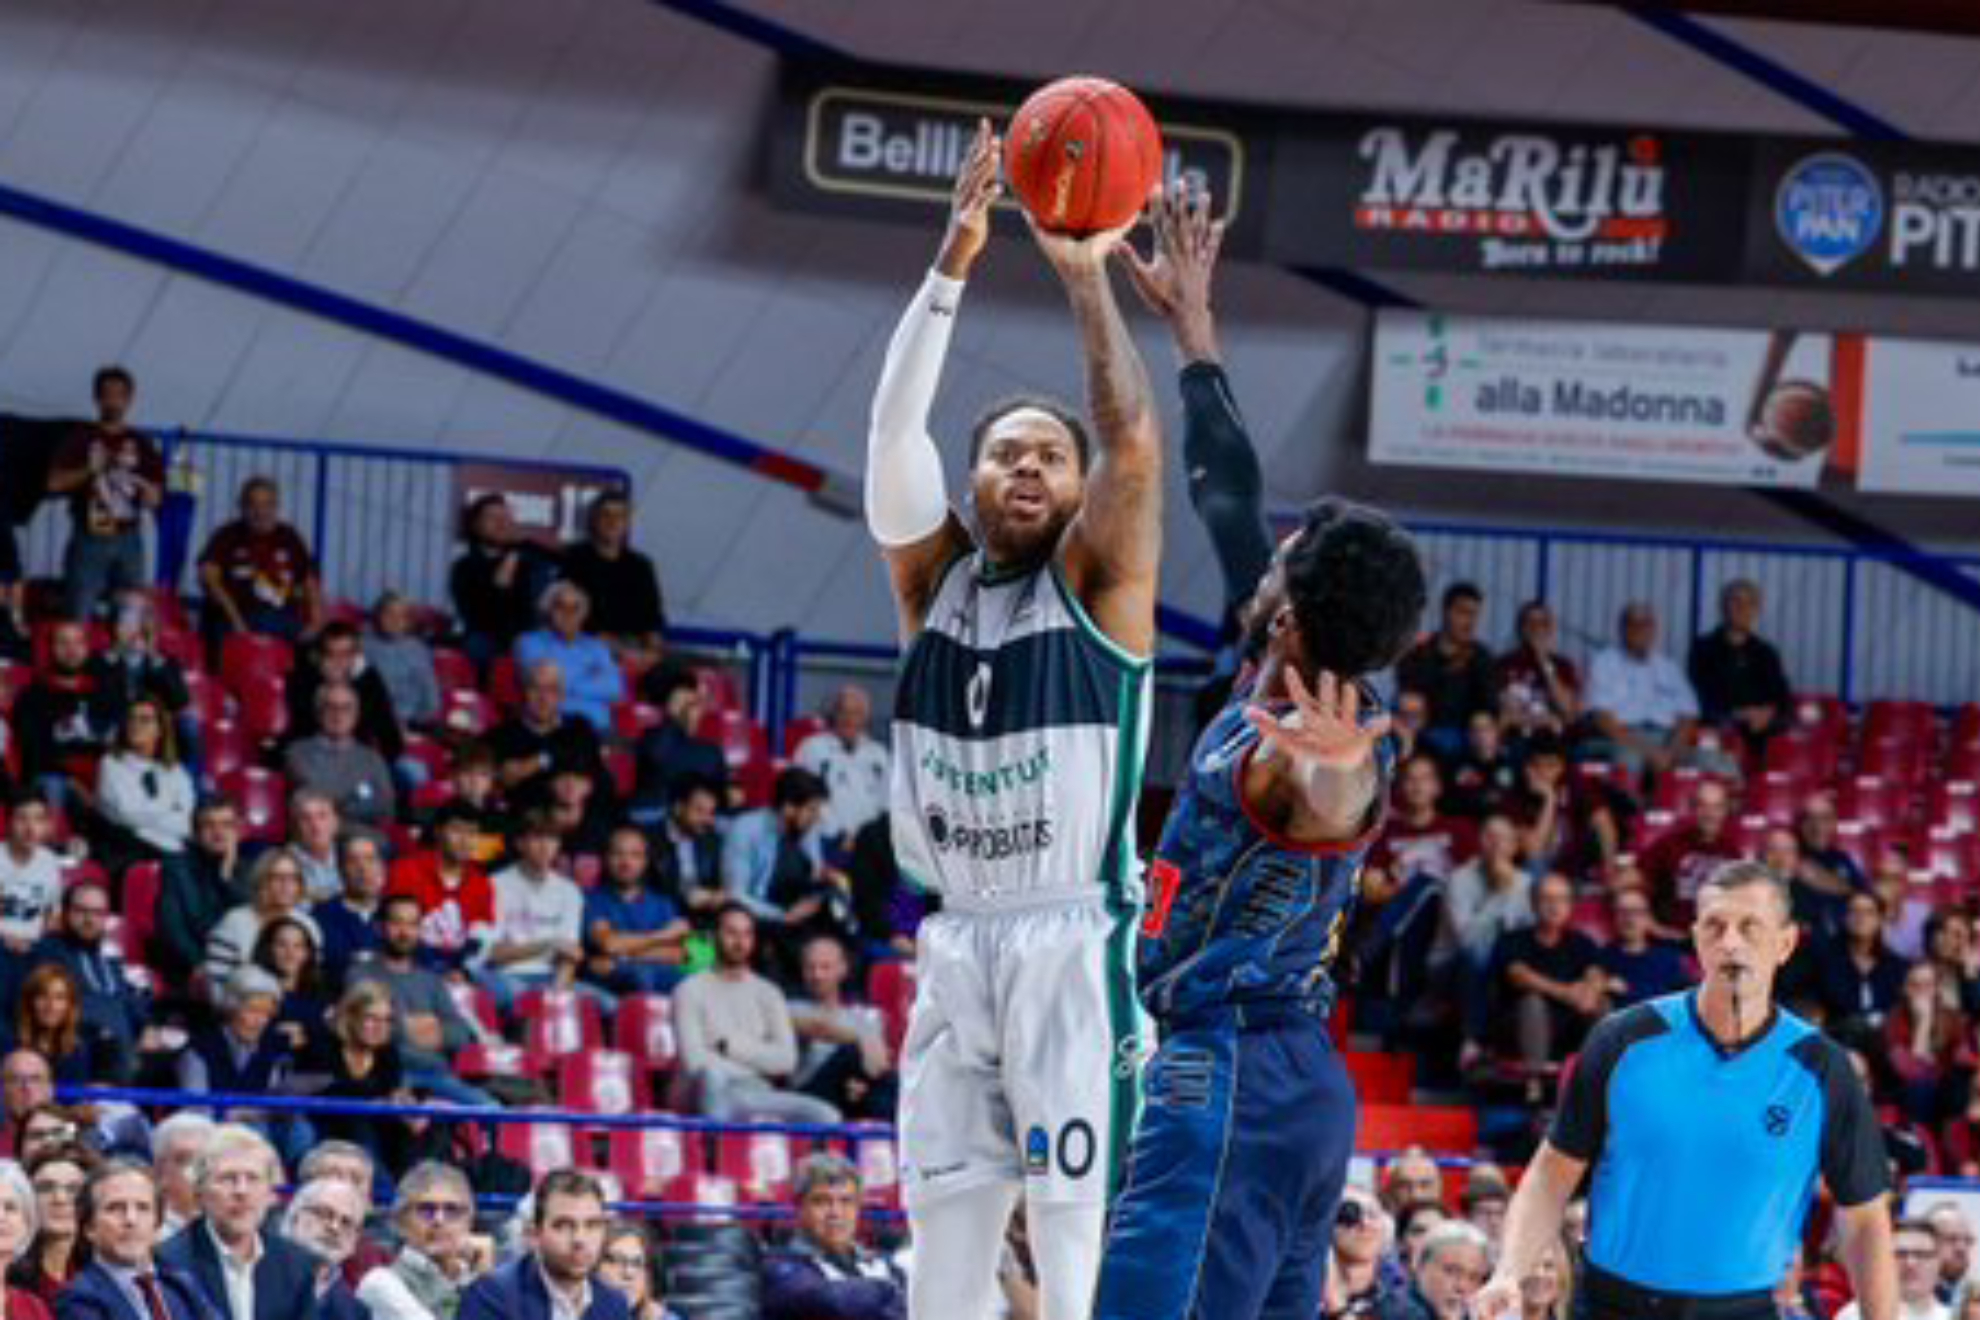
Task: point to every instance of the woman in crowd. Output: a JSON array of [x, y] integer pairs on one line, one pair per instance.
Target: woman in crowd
[[630, 1264], [19, 1221], [144, 797], [241, 1056], [52, 1257], [1548, 1293], [358, 1061], [276, 887], [287, 951], [1354, 1270], [48, 1019], [1928, 1046]]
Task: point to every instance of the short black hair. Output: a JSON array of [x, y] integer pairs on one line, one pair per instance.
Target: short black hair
[[26, 795], [1355, 583], [475, 508], [1743, 874], [390, 901], [1058, 411], [670, 677], [796, 787], [455, 811], [1458, 591], [105, 374], [686, 786]]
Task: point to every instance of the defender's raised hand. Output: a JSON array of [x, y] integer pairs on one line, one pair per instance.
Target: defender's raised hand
[[1324, 729]]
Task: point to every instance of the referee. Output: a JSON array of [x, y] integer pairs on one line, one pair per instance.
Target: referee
[[1706, 1117]]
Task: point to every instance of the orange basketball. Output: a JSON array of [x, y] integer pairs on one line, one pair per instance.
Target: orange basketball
[[1797, 420], [1082, 154]]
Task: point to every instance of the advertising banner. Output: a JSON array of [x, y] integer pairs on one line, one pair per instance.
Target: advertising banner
[[1894, 218], [1631, 402], [1502, 198], [548, 503], [1921, 426]]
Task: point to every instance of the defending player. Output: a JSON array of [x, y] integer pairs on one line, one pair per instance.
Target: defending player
[[1249, 1115], [1019, 730]]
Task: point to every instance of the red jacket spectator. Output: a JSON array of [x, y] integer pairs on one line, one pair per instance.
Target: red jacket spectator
[[1678, 863], [456, 899]]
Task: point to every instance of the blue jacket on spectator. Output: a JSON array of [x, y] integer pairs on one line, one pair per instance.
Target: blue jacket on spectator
[[803, 1283], [750, 853], [284, 1277], [593, 681], [346, 935], [95, 1295], [516, 1291]]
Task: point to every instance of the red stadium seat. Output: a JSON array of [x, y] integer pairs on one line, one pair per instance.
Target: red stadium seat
[[14, 679], [429, 753], [342, 610], [1861, 841], [644, 1028], [1448, 1130], [620, 765], [648, 1160], [890, 988], [499, 1059], [184, 646], [1591, 916], [603, 1082], [226, 746], [1966, 723], [741, 739], [467, 711], [759, 1163], [1955, 803], [1651, 826], [800, 728], [631, 719], [505, 682], [142, 883], [452, 670], [1898, 757], [708, 1190], [1384, 1079], [560, 1023], [1748, 832], [1874, 801], [249, 655], [477, 1005], [210, 699], [1963, 761], [756, 779], [538, 1147], [1776, 795], [431, 796], [878, 1160], [263, 797], [169, 609], [1950, 855], [719, 689], [1820, 711], [264, 706], [1807, 754], [1911, 720]]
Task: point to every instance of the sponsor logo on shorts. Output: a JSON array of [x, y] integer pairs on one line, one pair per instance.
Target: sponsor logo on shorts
[[1037, 1151], [1006, 778], [988, 843]]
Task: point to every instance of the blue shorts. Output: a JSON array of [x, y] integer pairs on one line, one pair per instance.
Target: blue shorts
[[1234, 1176]]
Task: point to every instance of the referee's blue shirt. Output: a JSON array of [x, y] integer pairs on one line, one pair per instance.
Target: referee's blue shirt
[[1705, 1158]]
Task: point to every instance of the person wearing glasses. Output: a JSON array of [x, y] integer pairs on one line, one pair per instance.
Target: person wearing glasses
[[53, 1259], [1354, 1273], [326, 1218], [120, 1210], [630, 1264], [245, 1271], [434, 1216]]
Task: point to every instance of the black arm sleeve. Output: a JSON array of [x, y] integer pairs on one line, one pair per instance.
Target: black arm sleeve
[[1226, 486], [1853, 1160], [1581, 1124]]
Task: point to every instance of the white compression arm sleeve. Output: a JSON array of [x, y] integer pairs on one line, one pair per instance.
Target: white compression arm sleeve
[[906, 496]]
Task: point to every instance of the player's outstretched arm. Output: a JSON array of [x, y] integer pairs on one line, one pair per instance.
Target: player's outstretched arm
[[907, 501], [1226, 486], [1114, 546], [1533, 1220], [1319, 758]]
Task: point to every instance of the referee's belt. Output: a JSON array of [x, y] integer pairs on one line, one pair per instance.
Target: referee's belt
[[1602, 1295]]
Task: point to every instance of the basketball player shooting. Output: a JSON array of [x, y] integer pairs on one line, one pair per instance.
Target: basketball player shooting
[[1242, 1149], [1019, 730]]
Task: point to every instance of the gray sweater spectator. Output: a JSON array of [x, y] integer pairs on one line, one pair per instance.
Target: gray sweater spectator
[[403, 659], [336, 764]]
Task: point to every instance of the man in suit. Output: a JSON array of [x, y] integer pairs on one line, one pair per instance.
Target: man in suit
[[326, 1217], [119, 1212], [553, 1282], [245, 1273]]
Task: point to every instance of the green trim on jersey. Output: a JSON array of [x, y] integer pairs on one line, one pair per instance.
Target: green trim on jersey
[[1115, 651], [1124, 1015]]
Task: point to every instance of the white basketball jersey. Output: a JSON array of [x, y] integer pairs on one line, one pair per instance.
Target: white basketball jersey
[[1019, 734]]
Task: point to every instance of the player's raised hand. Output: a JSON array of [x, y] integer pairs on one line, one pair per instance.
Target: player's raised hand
[[1324, 727], [977, 187], [1078, 256]]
